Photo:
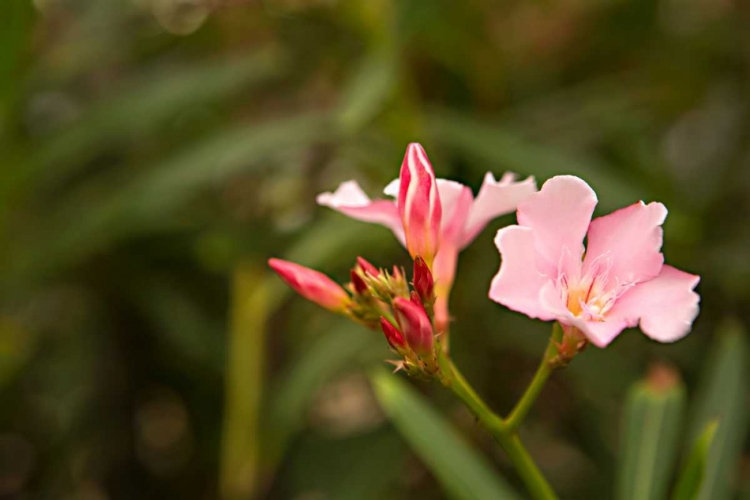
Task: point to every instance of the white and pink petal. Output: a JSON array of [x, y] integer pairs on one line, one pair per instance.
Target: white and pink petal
[[351, 200], [665, 306], [559, 215], [629, 240], [518, 284], [495, 198]]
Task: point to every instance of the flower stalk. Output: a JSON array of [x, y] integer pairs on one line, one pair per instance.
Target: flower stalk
[[505, 436], [546, 366]]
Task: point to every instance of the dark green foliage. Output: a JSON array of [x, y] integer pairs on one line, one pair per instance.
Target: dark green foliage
[[148, 148]]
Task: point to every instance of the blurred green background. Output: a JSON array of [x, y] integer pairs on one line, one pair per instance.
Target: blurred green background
[[155, 153]]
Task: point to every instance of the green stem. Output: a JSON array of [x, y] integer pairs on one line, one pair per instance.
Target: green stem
[[532, 477], [543, 372]]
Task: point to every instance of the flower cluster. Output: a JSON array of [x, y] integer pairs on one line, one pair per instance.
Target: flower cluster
[[618, 281], [378, 298], [434, 218]]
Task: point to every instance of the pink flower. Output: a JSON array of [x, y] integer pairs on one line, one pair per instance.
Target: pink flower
[[463, 216], [617, 282], [312, 285]]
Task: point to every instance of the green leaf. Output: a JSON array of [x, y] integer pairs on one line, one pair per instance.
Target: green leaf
[[463, 473], [139, 108], [15, 37], [653, 417], [691, 478], [368, 89], [81, 226], [499, 149], [722, 395]]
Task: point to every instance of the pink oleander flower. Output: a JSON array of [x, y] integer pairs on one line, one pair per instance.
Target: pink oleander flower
[[618, 281], [463, 216], [312, 285]]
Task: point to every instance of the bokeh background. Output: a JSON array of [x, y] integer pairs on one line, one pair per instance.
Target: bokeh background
[[155, 153]]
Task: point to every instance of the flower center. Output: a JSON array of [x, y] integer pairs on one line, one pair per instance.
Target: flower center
[[583, 303], [589, 297]]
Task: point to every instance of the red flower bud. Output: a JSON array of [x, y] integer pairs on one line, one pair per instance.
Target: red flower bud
[[415, 324], [367, 268], [423, 281], [312, 285], [358, 283], [392, 335]]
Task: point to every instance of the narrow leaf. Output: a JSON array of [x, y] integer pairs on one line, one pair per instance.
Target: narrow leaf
[[500, 149], [463, 473], [653, 418], [368, 89], [691, 478], [723, 394]]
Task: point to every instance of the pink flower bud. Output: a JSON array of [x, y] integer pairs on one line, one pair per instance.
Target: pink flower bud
[[423, 281], [419, 204], [367, 267], [392, 335], [415, 325], [311, 284]]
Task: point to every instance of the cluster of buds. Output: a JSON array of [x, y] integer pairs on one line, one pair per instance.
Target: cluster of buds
[[410, 329], [379, 298]]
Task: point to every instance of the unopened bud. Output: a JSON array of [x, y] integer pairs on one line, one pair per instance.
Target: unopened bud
[[313, 285], [419, 204], [358, 283], [392, 335], [415, 325], [367, 268], [423, 281]]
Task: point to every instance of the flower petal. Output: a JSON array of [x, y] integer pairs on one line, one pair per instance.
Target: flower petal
[[600, 333], [392, 188], [518, 284], [495, 199], [559, 214], [666, 305], [456, 200], [630, 241], [350, 200]]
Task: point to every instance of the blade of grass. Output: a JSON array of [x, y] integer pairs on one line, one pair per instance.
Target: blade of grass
[[691, 478]]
